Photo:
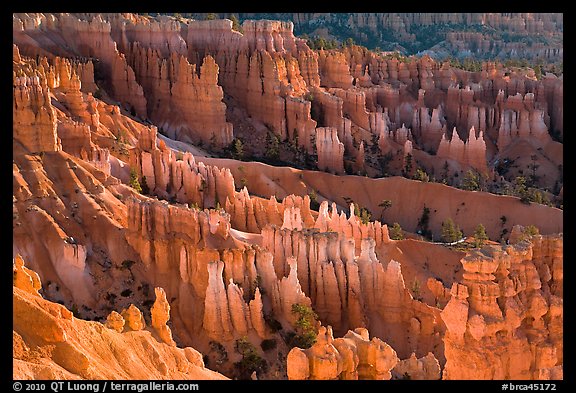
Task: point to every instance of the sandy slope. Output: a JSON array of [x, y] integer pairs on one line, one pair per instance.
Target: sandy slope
[[49, 343]]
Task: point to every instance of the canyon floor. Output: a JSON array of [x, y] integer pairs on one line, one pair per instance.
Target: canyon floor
[[196, 197]]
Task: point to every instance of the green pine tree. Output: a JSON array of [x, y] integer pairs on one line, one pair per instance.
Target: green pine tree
[[450, 232], [237, 148], [480, 236], [134, 183], [471, 181], [235, 23], [396, 232], [272, 147]]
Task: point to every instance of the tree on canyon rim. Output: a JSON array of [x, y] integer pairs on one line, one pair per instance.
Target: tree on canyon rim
[[480, 236], [396, 232], [450, 232]]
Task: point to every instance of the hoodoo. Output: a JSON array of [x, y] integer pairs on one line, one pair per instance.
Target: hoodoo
[[300, 196]]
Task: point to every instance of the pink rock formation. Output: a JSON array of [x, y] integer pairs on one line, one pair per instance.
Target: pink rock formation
[[160, 312], [350, 227], [252, 214], [272, 36], [330, 150], [226, 313], [115, 321], [290, 292], [292, 219], [315, 274], [24, 278], [69, 74], [444, 77], [262, 98], [331, 114], [16, 53], [214, 35], [95, 34], [503, 289], [49, 343], [334, 70], [390, 278], [299, 122], [308, 62], [429, 127], [407, 159], [520, 119], [162, 34], [402, 135], [168, 176], [342, 287], [76, 139], [258, 35], [134, 318], [187, 102], [385, 139], [470, 154], [152, 225], [224, 269], [92, 39], [458, 102], [74, 136], [217, 320], [33, 117], [264, 69], [352, 357], [194, 247], [425, 368], [360, 163], [441, 294], [63, 257], [354, 105]]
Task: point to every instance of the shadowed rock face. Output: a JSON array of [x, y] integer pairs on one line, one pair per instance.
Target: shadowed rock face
[[116, 118]]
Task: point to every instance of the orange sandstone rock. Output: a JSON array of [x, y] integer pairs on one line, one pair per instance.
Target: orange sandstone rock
[[24, 278], [134, 318], [471, 154], [330, 150], [168, 176], [505, 290], [34, 118], [51, 344], [184, 98], [425, 368], [115, 321], [353, 356], [160, 312]]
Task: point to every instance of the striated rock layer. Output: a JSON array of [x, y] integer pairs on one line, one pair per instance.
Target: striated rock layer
[[504, 320], [33, 117], [185, 102]]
